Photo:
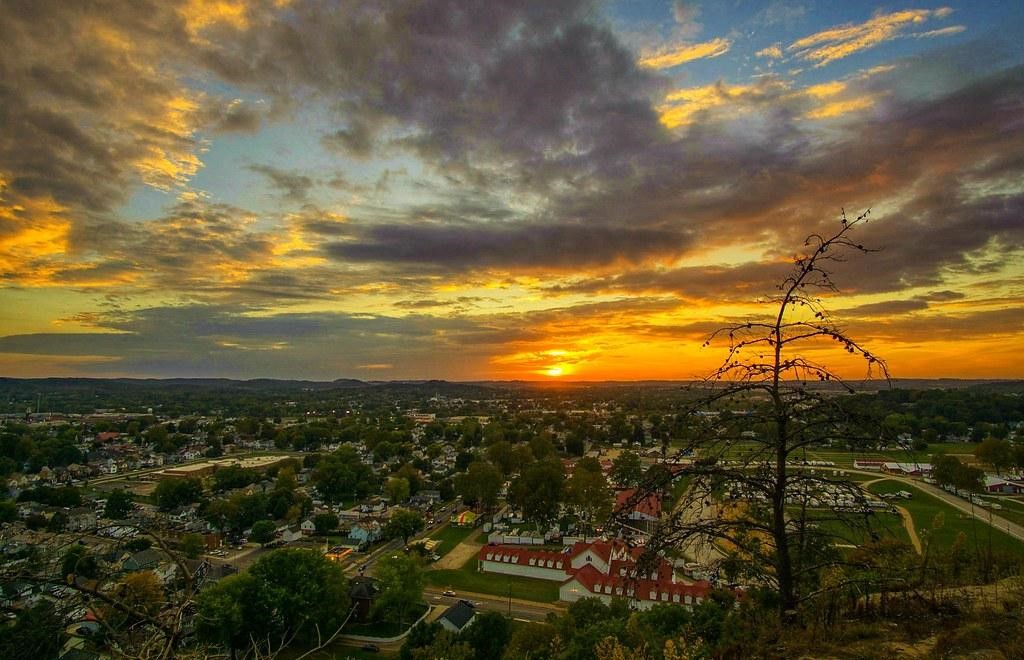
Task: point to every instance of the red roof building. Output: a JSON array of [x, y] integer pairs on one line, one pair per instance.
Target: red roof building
[[646, 508]]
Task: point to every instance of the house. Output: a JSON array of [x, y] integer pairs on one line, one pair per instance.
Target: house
[[646, 508], [911, 469], [143, 560], [361, 591], [458, 617], [367, 532], [1004, 486], [293, 533], [81, 519], [307, 527]]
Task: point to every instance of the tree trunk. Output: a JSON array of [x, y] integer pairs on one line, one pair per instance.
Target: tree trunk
[[783, 562]]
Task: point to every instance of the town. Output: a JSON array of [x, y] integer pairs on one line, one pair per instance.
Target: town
[[488, 512]]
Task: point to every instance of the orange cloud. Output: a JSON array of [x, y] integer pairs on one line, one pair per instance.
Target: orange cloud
[[686, 53]]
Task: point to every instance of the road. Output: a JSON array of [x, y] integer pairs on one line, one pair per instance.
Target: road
[[959, 503], [522, 610]]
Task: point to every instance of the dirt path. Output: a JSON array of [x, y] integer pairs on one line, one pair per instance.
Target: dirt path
[[460, 554], [908, 524]]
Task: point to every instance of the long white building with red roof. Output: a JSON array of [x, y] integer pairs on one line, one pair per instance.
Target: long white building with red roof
[[601, 569]]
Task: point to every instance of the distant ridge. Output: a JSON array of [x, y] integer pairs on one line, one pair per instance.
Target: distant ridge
[[339, 383]]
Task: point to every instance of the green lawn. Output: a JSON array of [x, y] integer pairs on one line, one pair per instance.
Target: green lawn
[[338, 652], [856, 533], [924, 508], [450, 537], [468, 579], [385, 628]]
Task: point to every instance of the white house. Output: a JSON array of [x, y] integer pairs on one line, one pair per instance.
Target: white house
[[458, 617]]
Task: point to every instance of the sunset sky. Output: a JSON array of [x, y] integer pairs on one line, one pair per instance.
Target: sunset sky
[[497, 190]]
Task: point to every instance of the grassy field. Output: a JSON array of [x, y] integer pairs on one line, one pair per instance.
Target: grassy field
[[337, 652], [450, 537], [468, 579], [385, 628], [924, 508], [882, 524]]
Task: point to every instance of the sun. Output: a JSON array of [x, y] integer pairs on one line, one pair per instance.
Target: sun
[[554, 372]]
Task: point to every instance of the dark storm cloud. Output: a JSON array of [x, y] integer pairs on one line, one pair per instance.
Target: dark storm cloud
[[232, 340], [530, 105], [507, 245], [885, 308], [544, 86]]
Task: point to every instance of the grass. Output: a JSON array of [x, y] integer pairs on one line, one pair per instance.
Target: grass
[[468, 579], [450, 537], [883, 524], [338, 651], [924, 508], [386, 628]]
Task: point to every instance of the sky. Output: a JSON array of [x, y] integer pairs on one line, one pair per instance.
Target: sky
[[501, 190]]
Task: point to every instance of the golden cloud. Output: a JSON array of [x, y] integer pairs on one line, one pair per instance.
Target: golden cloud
[[839, 42], [774, 52], [686, 53]]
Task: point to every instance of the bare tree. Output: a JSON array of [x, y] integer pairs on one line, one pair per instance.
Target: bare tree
[[752, 509]]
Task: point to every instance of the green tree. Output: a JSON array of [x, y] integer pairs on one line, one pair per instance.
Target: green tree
[[79, 562], [192, 545], [447, 645], [58, 521], [488, 636], [37, 632], [325, 522], [536, 641], [286, 594], [8, 511], [263, 532], [479, 485], [997, 453], [400, 579], [504, 457], [588, 492], [172, 493], [627, 471], [397, 489], [403, 524], [539, 491], [420, 636], [119, 504]]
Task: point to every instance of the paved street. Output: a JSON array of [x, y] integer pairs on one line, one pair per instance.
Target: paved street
[[959, 503]]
